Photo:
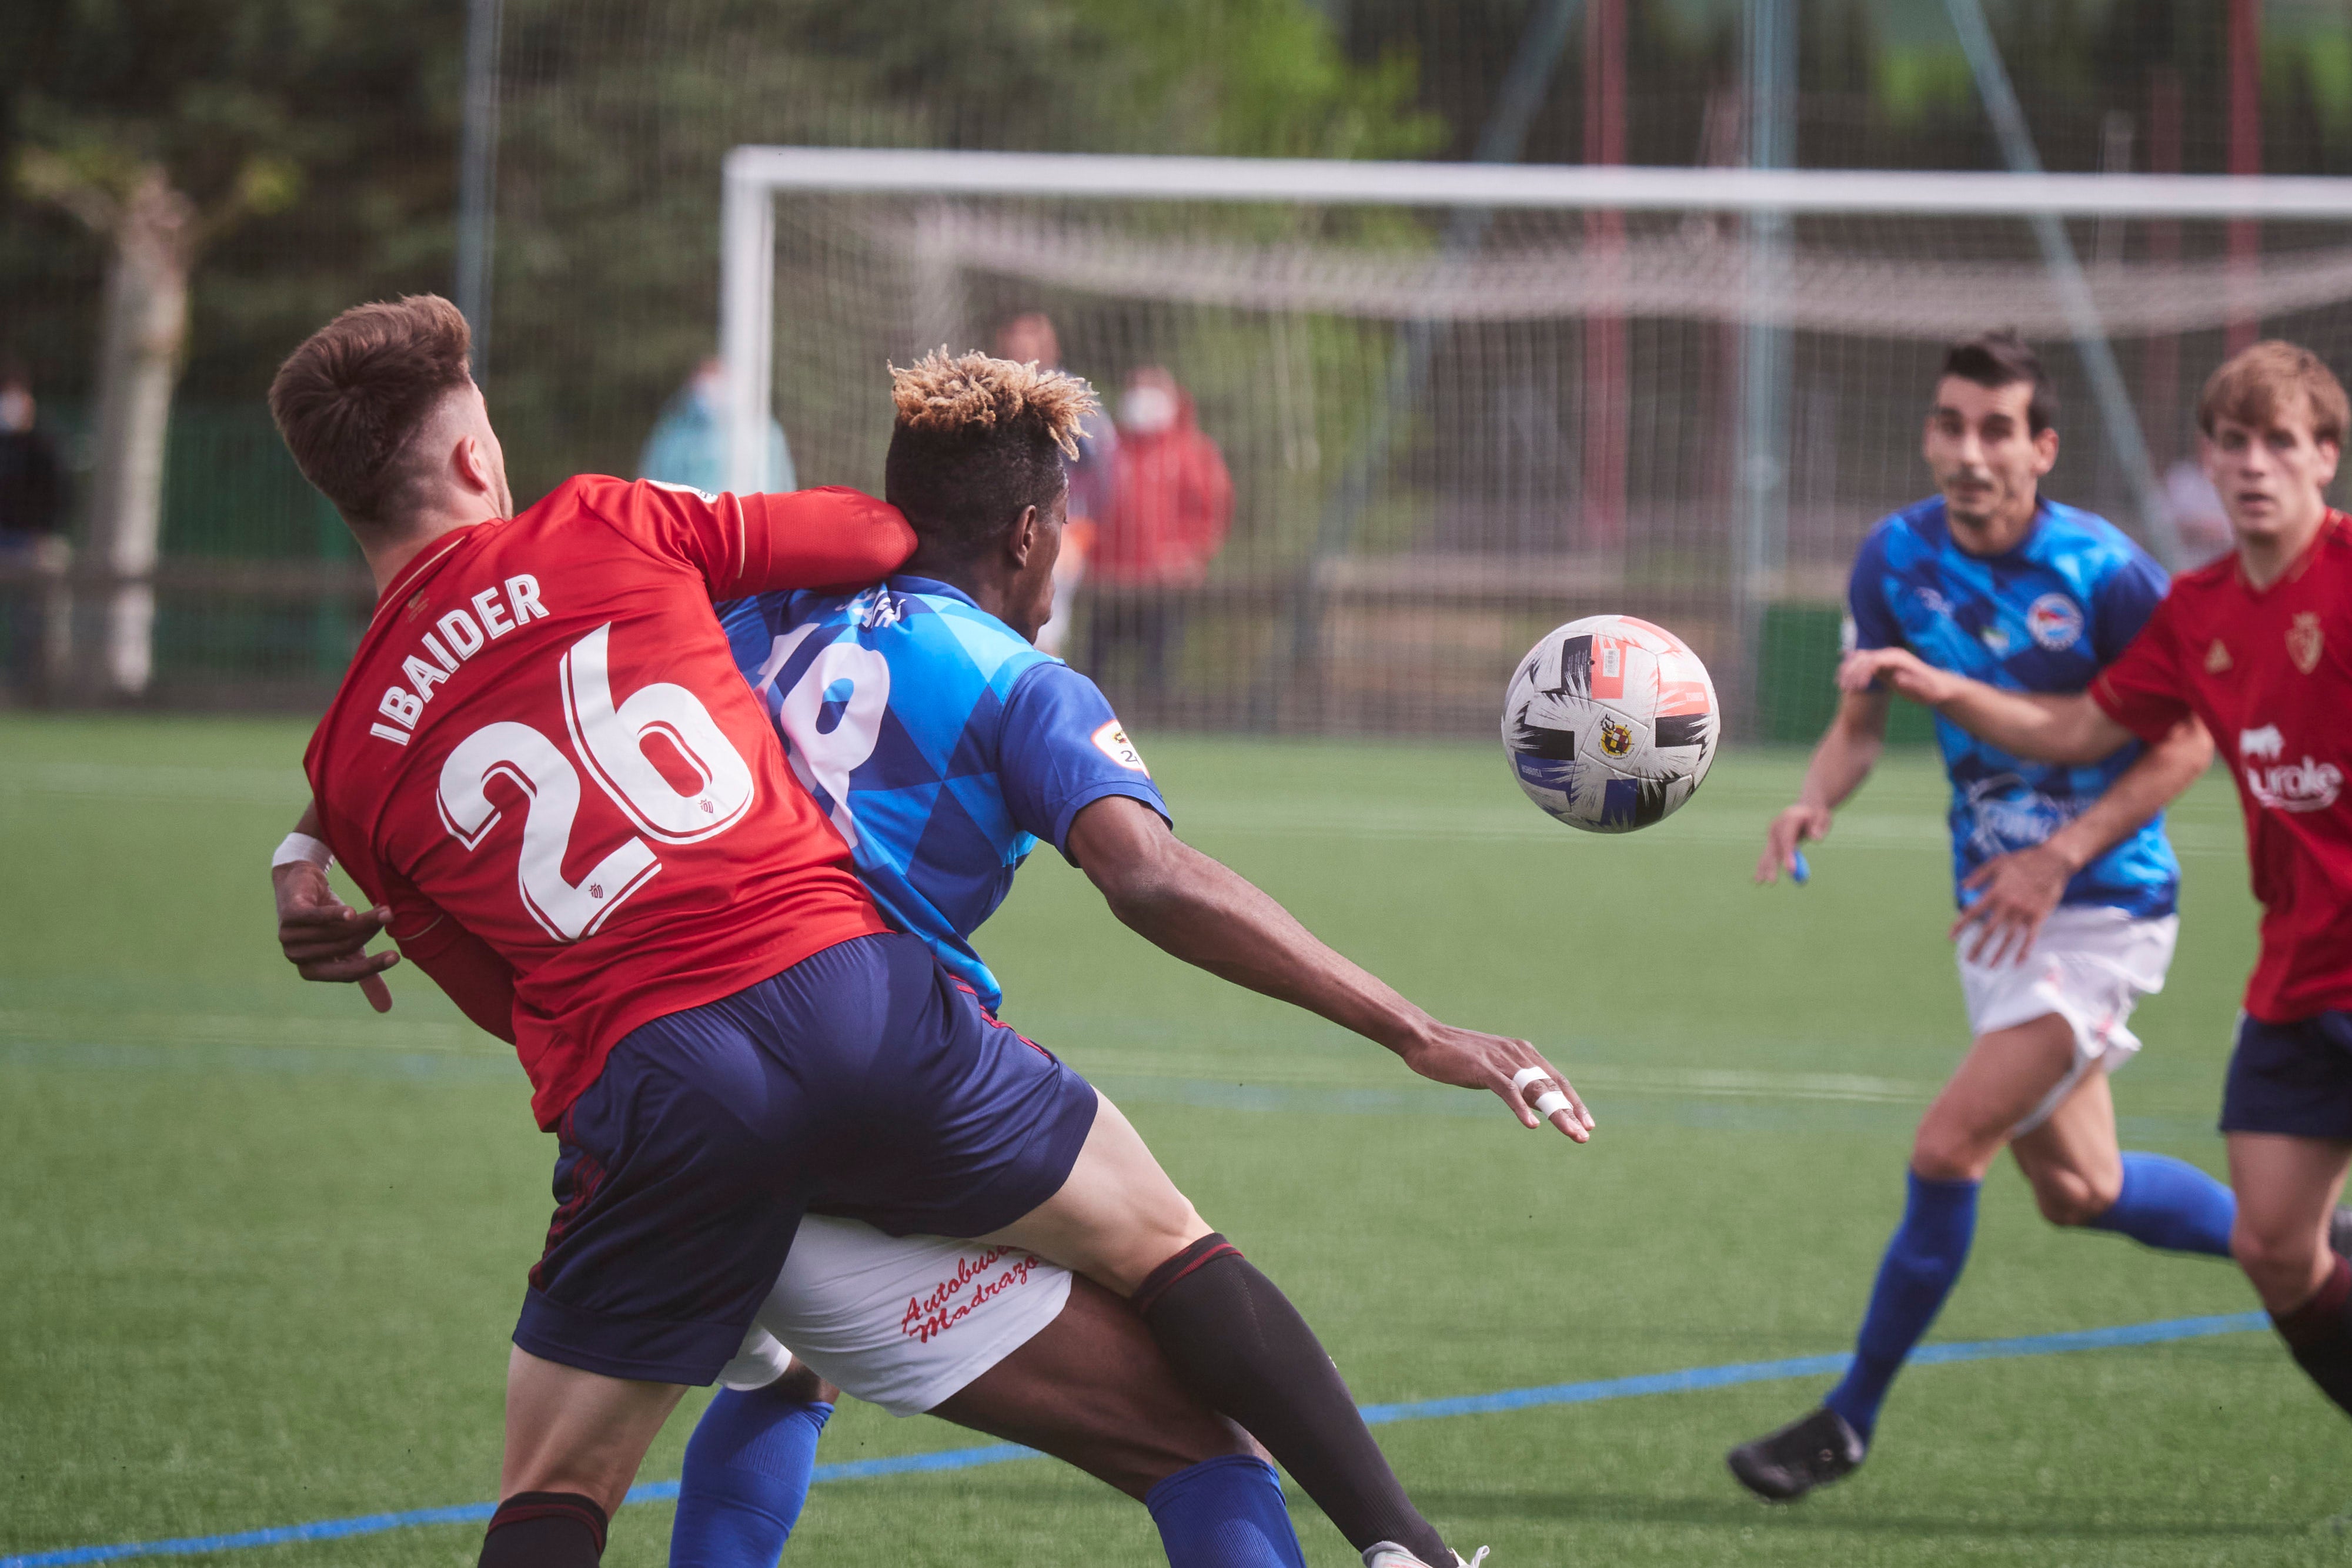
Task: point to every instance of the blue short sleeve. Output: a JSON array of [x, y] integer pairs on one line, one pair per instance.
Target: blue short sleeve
[[2125, 600], [1875, 625], [1060, 748]]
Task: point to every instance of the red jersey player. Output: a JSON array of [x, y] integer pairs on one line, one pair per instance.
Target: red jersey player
[[545, 767], [2259, 646]]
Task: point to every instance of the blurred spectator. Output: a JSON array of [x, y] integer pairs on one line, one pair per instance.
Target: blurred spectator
[[2196, 513], [688, 444], [1030, 339], [33, 500], [1172, 502], [32, 476]]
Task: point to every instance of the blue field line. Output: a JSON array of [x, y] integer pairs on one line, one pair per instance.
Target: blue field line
[[1689, 1380]]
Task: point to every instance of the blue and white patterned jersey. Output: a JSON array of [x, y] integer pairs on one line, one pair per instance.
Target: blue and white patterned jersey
[[940, 744], [2045, 617]]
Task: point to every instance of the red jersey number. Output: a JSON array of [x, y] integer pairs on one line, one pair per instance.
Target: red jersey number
[[610, 739]]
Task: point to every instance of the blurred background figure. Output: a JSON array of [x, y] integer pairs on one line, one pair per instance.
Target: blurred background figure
[[1170, 505], [33, 503], [2197, 512], [688, 442], [1030, 339]]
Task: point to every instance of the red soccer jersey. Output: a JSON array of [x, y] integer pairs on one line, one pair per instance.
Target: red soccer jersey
[[543, 743], [2270, 672]]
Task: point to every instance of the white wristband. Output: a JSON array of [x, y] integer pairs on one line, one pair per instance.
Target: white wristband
[[304, 847]]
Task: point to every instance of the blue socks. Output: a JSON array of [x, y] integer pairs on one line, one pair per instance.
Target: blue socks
[[1225, 1513], [747, 1476], [1922, 1263], [2171, 1204]]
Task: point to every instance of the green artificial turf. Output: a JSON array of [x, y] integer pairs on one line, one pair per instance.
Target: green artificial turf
[[260, 1249]]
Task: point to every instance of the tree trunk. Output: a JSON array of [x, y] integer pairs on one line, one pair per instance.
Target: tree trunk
[[143, 331]]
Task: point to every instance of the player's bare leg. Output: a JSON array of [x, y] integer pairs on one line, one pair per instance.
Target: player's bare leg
[[1094, 1391], [1232, 1336], [2287, 1189], [575, 1440], [2005, 1076], [2071, 1159]]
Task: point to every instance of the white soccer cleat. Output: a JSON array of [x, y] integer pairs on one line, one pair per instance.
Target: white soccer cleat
[[1389, 1554]]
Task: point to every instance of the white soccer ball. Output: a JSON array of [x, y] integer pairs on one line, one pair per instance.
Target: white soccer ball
[[1610, 722]]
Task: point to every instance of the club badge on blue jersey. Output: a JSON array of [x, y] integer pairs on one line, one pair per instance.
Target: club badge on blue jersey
[[2045, 617], [938, 740]]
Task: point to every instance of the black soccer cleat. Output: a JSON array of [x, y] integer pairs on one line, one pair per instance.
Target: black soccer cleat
[[2339, 1232], [1783, 1466]]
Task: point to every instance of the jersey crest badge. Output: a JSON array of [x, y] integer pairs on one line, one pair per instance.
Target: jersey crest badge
[[2055, 621], [2217, 658], [2305, 641], [1112, 742]]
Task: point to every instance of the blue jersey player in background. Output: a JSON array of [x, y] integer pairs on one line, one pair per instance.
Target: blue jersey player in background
[[2065, 881]]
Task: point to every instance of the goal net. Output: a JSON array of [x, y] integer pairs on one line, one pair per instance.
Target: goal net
[[1458, 405]]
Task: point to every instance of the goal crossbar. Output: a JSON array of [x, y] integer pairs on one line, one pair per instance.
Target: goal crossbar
[[755, 175]]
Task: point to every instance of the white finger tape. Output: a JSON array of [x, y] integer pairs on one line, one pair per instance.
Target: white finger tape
[[1527, 1075], [1550, 1101]]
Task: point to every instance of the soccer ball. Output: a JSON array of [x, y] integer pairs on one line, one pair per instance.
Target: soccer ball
[[1610, 722]]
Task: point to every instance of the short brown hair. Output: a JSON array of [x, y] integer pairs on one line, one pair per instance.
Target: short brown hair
[[2254, 386], [349, 399], [1997, 360]]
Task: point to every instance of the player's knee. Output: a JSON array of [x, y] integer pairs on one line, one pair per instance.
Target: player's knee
[[2074, 1197], [2278, 1265], [1942, 1152]]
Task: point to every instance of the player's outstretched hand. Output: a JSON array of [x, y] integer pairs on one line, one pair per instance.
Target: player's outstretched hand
[[325, 938], [2016, 892], [1787, 835], [1899, 669], [1515, 1071]]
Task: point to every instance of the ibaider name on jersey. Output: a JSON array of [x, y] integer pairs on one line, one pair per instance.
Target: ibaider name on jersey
[[543, 746]]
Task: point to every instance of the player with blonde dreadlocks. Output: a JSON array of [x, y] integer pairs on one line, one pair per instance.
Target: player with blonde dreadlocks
[[943, 745]]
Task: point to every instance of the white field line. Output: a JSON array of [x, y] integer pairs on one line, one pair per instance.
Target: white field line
[[366, 1032], [158, 781]]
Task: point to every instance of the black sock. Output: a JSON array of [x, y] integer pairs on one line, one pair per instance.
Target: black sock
[[545, 1530], [2319, 1333], [1237, 1343]]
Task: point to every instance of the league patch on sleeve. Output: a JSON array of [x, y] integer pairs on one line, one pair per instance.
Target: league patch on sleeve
[[1112, 742]]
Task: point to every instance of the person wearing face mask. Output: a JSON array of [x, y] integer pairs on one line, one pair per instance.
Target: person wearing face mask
[[1171, 503], [32, 497], [688, 443]]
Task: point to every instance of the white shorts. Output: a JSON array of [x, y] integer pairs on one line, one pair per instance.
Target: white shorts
[[2090, 965], [900, 1322]]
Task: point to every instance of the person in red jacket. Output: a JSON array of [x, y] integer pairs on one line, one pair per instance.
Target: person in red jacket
[[1171, 504]]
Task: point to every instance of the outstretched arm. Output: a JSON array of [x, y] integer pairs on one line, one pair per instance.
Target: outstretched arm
[[1849, 749], [2018, 890], [1208, 915], [2024, 724]]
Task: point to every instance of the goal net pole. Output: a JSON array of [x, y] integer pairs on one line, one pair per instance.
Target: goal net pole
[[2116, 415]]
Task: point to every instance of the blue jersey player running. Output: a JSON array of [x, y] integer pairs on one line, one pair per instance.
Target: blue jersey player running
[[2066, 882]]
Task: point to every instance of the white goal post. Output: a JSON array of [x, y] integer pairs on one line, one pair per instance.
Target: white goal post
[[1845, 256], [755, 176]]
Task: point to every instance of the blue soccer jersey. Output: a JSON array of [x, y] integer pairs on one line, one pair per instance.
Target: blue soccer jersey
[[2045, 617], [938, 740]]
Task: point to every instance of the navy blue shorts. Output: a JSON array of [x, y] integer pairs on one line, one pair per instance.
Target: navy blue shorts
[[865, 1077], [2291, 1078]]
